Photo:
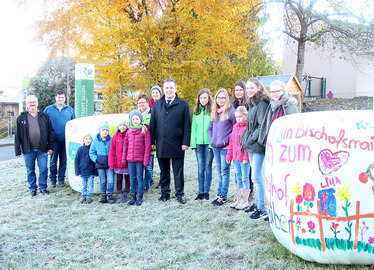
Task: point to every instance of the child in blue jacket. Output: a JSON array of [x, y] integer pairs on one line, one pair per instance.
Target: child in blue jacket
[[85, 167], [99, 153]]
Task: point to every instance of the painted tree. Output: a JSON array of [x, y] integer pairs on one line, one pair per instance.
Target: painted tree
[[137, 44], [328, 23]]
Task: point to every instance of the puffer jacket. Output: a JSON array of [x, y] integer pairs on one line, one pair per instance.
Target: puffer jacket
[[116, 150], [235, 148], [200, 125], [99, 151], [137, 146], [83, 165]]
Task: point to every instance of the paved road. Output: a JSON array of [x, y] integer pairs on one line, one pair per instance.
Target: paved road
[[7, 153]]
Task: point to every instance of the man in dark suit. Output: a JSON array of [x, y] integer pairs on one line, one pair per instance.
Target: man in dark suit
[[171, 132]]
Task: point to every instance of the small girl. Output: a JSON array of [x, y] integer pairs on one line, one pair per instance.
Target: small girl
[[241, 161], [99, 152], [85, 167], [136, 154], [115, 162], [200, 141], [219, 132]]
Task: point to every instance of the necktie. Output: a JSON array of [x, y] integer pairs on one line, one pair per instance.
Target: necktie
[[168, 101]]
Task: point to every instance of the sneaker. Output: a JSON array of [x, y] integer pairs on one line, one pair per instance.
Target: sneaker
[[103, 199], [216, 199], [44, 192], [83, 199], [258, 214], [110, 198], [89, 200], [266, 219], [33, 193], [251, 209], [222, 201], [200, 196], [206, 196]]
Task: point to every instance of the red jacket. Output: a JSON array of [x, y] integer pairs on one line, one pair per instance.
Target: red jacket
[[116, 150], [234, 151], [137, 146]]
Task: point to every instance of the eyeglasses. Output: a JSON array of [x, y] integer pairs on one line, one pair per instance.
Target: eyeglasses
[[32, 102], [275, 92], [221, 98], [144, 102]]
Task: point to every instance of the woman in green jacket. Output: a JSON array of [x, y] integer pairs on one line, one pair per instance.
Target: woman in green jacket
[[200, 141]]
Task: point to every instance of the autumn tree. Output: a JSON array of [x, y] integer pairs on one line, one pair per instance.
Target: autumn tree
[[51, 77], [328, 24], [136, 44]]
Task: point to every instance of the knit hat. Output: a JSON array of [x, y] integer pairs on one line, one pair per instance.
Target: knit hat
[[136, 112], [103, 125], [87, 135], [157, 88]]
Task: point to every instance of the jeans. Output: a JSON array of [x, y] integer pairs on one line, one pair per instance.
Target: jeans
[[87, 185], [148, 172], [59, 151], [136, 177], [242, 174], [257, 160], [42, 159], [204, 166], [223, 170], [106, 181]]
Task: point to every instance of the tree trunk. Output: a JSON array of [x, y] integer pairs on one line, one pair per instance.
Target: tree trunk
[[300, 59]]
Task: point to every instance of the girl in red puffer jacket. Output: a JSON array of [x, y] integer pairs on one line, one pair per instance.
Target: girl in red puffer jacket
[[136, 154], [115, 162]]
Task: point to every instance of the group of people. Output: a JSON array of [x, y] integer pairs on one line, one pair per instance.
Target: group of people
[[228, 130]]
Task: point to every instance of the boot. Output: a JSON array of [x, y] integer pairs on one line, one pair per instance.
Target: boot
[[133, 199], [83, 199], [244, 203], [126, 193], [110, 198], [119, 197], [237, 199], [103, 199], [139, 199]]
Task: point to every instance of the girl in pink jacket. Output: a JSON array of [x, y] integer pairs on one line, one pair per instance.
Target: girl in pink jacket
[[136, 154], [241, 160], [115, 162]]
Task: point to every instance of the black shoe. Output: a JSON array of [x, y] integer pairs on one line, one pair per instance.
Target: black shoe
[[83, 199], [33, 193], [133, 199], [139, 200], [89, 200], [44, 192], [258, 214], [266, 219], [61, 184], [206, 196], [216, 200], [164, 198], [181, 200], [251, 209], [158, 185], [200, 196], [222, 201], [103, 199], [53, 184], [109, 198]]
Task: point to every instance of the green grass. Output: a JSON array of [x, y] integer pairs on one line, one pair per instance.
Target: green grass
[[57, 232]]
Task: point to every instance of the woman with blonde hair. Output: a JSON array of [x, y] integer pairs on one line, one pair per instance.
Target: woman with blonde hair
[[220, 127]]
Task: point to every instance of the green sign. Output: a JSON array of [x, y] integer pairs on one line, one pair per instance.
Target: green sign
[[84, 89], [26, 82]]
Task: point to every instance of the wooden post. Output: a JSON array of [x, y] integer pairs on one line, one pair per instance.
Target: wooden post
[[357, 227], [322, 236]]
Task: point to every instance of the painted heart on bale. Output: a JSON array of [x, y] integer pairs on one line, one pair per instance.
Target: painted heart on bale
[[329, 162]]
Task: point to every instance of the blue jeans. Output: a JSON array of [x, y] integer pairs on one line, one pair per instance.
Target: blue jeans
[[136, 177], [223, 170], [204, 166], [257, 160], [242, 174], [87, 185], [148, 172], [59, 151], [106, 181], [42, 159]]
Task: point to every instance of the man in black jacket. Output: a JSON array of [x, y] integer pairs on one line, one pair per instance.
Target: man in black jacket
[[34, 135], [171, 132]]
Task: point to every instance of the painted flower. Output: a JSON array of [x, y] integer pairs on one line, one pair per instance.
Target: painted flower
[[303, 230], [311, 225], [296, 189], [371, 240], [344, 194], [334, 226], [308, 192], [298, 221], [299, 199]]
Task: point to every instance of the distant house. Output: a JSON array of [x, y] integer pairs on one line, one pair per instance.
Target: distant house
[[293, 86], [11, 101], [343, 79]]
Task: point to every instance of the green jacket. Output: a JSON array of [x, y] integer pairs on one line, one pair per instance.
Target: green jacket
[[199, 132]]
